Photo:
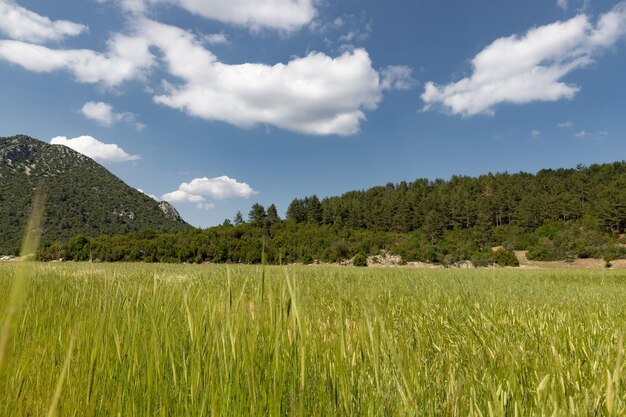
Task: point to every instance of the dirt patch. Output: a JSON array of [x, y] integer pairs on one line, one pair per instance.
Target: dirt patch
[[386, 260]]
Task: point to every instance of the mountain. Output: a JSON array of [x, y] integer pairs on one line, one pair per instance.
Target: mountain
[[81, 196]]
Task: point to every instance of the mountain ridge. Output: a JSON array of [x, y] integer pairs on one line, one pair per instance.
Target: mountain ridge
[[81, 196]]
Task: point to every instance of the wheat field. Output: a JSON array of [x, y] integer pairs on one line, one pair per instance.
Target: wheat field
[[81, 339]]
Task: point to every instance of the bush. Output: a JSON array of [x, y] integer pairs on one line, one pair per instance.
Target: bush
[[447, 261], [543, 250], [359, 260], [78, 248], [505, 257], [481, 259]]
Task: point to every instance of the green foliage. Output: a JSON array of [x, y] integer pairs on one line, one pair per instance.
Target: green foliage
[[457, 217], [482, 259], [287, 242], [272, 215], [563, 241], [257, 215], [505, 257], [359, 260], [238, 220], [77, 248]]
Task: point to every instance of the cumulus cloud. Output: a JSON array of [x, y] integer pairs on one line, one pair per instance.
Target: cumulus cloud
[[535, 133], [566, 125], [522, 69], [276, 14], [25, 25], [103, 113], [94, 149], [180, 196], [562, 4], [126, 58], [397, 77], [314, 94], [220, 188], [286, 15], [100, 112]]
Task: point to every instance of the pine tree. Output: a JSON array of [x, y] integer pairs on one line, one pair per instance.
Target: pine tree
[[295, 211], [257, 215], [313, 209], [272, 215]]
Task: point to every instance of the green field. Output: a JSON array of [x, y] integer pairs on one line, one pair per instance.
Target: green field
[[206, 340]]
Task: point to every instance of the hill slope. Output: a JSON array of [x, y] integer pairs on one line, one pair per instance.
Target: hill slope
[[81, 196], [526, 201]]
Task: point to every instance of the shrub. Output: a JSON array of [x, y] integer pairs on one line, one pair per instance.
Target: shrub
[[447, 261], [481, 259], [505, 257], [359, 260], [78, 248]]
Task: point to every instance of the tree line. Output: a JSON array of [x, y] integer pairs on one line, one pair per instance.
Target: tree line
[[558, 214]]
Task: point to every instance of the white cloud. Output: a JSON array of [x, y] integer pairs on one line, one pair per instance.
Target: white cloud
[[180, 196], [583, 134], [315, 94], [566, 125], [535, 133], [94, 149], [275, 14], [126, 58], [220, 188], [287, 15], [397, 77], [103, 113], [562, 4], [25, 25], [215, 39], [354, 36], [531, 67]]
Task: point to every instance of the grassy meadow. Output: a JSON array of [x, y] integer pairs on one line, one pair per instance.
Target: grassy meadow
[[79, 339]]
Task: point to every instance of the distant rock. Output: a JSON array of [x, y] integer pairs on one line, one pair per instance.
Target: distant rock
[[170, 212]]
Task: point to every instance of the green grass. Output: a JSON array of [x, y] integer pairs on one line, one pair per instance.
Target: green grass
[[172, 340]]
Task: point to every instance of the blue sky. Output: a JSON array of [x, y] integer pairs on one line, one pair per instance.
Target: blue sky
[[217, 104]]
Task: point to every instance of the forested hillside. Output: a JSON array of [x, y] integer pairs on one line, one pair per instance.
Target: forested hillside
[[556, 215], [522, 200], [80, 195]]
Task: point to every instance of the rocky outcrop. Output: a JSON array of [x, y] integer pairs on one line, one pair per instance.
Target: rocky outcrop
[[170, 212]]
